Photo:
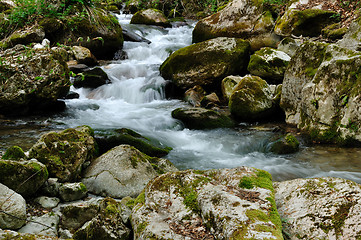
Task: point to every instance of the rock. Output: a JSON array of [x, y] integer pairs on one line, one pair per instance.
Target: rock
[[25, 36], [72, 191], [150, 17], [107, 224], [228, 85], [43, 45], [210, 101], [51, 187], [65, 152], [252, 100], [320, 208], [206, 63], [307, 22], [285, 145], [352, 38], [321, 93], [128, 136], [32, 81], [24, 177], [334, 31], [289, 46], [123, 171], [14, 153], [194, 96], [77, 68], [269, 64], [46, 224], [215, 204], [13, 209], [201, 118], [47, 202], [7, 234], [244, 19], [84, 56], [93, 78], [72, 95], [133, 37]]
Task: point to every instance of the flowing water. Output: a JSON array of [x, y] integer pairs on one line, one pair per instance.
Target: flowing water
[[135, 99]]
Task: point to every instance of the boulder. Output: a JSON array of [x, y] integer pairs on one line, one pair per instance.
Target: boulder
[[32, 80], [51, 187], [123, 171], [72, 191], [215, 204], [320, 208], [334, 31], [210, 101], [13, 209], [33, 34], [14, 153], [47, 202], [84, 56], [201, 118], [128, 136], [25, 177], [352, 38], [244, 19], [65, 152], [206, 63], [285, 145], [150, 17], [92, 78], [269, 64], [46, 224], [252, 100], [321, 93], [228, 84]]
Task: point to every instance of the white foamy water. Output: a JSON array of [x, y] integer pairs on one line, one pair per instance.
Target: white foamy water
[[135, 99]]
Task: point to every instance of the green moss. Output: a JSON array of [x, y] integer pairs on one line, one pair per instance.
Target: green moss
[[141, 227], [246, 182], [140, 199], [14, 153]]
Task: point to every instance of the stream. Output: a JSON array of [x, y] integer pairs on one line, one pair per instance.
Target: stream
[[135, 99]]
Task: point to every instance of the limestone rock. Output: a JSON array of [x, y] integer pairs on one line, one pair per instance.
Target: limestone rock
[[51, 187], [352, 38], [289, 46], [269, 64], [320, 208], [216, 204], [201, 118], [14, 204], [123, 171], [228, 84], [72, 191], [252, 99], [150, 17], [32, 80], [48, 227], [65, 152], [84, 56], [92, 78], [244, 19], [206, 63], [25, 177], [47, 202]]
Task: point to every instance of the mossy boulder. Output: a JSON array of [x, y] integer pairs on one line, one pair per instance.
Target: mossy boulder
[[32, 81], [319, 208], [72, 191], [334, 31], [65, 152], [92, 78], [117, 137], [252, 100], [201, 118], [321, 93], [33, 34], [150, 17], [14, 153], [227, 203], [269, 64], [285, 145], [206, 63], [24, 177], [308, 22], [123, 171], [240, 19]]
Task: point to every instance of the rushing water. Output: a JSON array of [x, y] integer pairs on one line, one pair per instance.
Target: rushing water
[[135, 99]]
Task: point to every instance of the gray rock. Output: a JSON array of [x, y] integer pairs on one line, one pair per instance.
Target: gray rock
[[352, 38], [72, 191], [47, 202], [13, 209], [51, 187], [7, 234], [123, 171], [46, 224], [289, 46], [320, 208]]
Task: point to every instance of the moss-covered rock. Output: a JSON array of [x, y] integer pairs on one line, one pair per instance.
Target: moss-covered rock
[[319, 208], [201, 118], [289, 45], [252, 100], [228, 203], [240, 19], [334, 31], [206, 63], [127, 136], [228, 84], [14, 153], [123, 171], [83, 56], [32, 80], [352, 38], [72, 191], [285, 145], [24, 177], [150, 17], [269, 64], [65, 152], [24, 37], [92, 78], [321, 90]]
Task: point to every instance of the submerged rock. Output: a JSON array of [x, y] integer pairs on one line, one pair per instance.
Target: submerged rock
[[201, 118], [216, 204], [320, 208], [123, 171], [206, 63], [285, 144], [65, 152], [150, 17]]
